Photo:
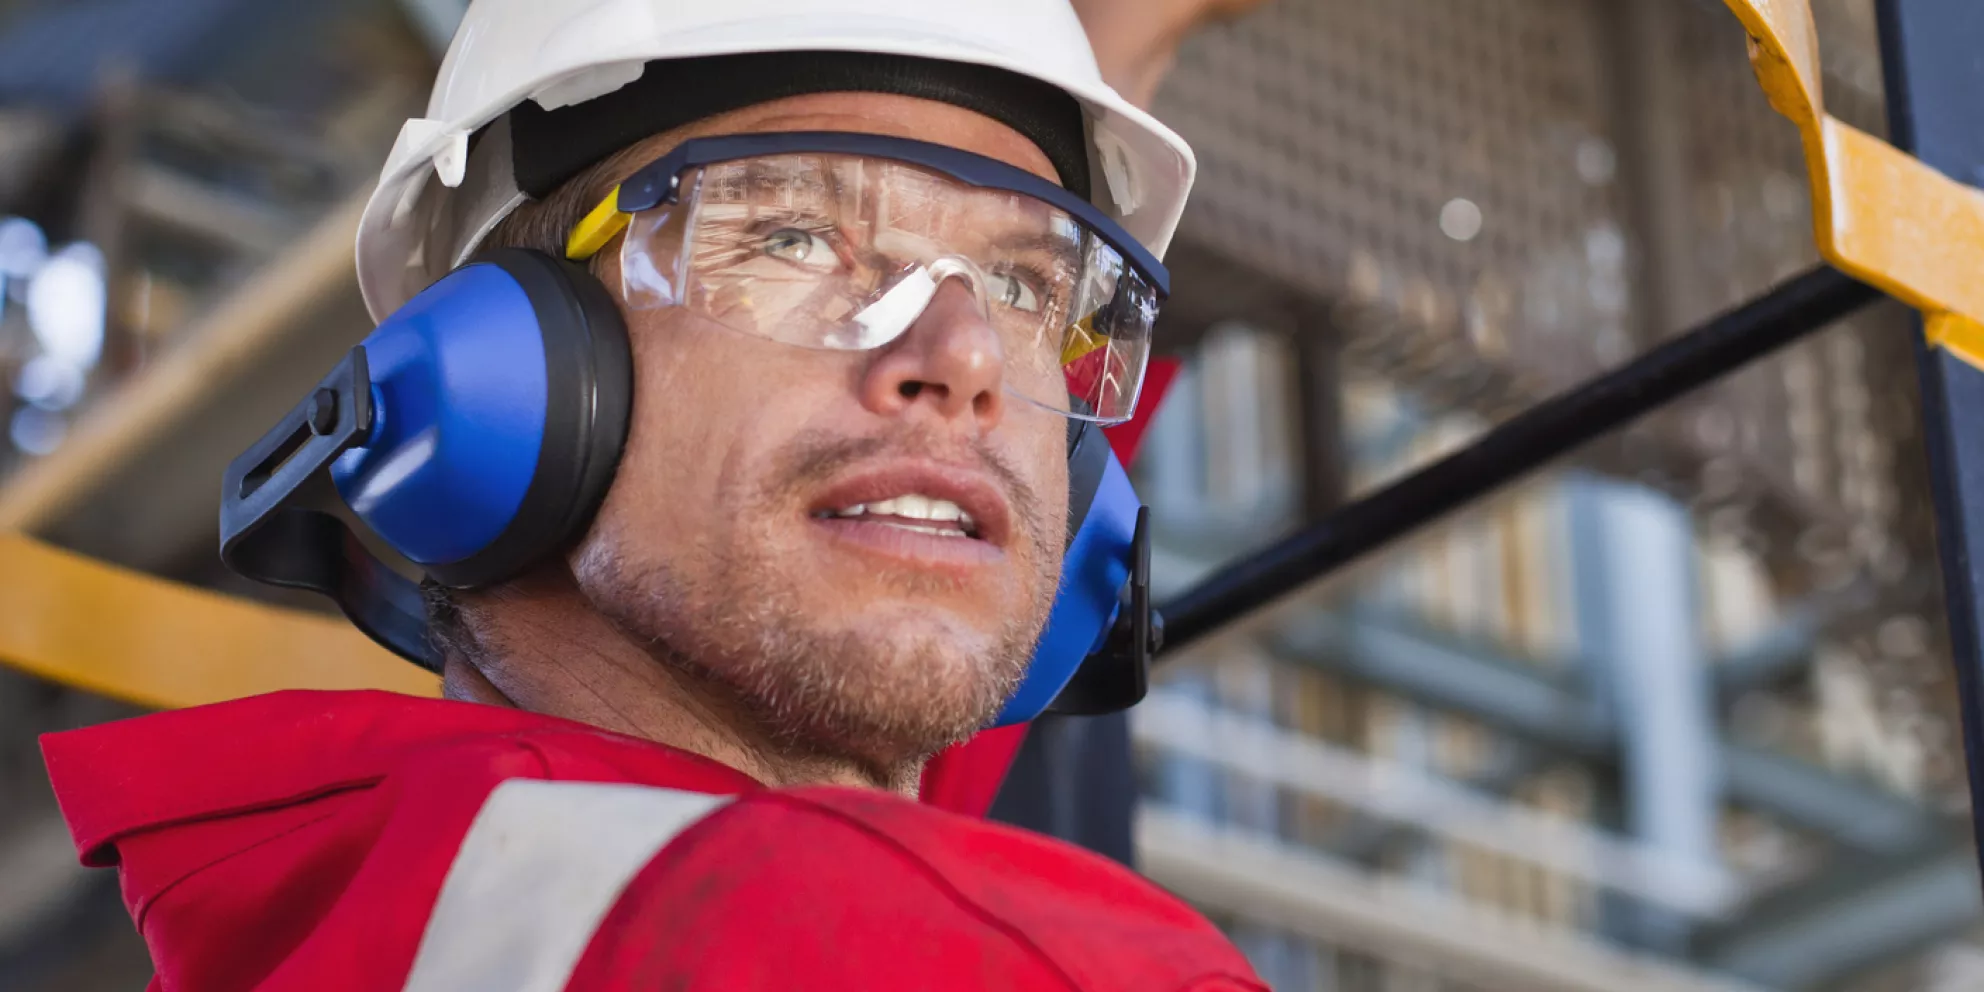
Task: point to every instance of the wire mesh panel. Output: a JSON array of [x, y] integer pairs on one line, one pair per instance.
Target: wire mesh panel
[[1487, 202], [1442, 163]]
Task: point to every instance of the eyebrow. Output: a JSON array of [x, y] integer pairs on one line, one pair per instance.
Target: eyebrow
[[1053, 244]]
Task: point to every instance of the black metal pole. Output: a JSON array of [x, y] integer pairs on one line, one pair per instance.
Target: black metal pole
[[1525, 442]]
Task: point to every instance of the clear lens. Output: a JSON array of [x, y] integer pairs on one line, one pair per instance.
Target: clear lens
[[844, 252]]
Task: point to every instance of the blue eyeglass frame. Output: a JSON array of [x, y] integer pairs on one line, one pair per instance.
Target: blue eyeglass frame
[[660, 181]]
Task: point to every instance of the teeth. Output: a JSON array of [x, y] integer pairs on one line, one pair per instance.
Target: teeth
[[915, 506], [933, 531]]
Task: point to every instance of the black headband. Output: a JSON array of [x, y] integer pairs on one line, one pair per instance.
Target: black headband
[[552, 146]]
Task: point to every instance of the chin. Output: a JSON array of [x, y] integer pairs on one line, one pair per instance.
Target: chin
[[918, 683], [829, 664], [887, 686]]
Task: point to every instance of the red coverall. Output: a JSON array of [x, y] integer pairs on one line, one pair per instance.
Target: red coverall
[[302, 840]]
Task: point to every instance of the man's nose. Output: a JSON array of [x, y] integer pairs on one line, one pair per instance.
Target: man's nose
[[950, 358]]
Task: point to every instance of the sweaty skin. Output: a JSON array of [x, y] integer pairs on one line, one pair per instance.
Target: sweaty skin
[[711, 609]]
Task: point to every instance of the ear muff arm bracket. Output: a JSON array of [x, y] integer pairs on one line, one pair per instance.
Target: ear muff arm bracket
[[271, 531]]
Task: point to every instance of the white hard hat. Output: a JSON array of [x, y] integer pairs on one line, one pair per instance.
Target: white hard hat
[[436, 202]]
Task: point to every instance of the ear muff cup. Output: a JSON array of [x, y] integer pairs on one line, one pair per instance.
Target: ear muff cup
[[504, 393]]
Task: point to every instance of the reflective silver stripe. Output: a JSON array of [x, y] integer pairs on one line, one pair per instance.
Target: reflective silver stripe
[[539, 869]]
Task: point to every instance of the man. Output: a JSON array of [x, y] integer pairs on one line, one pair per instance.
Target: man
[[848, 255]]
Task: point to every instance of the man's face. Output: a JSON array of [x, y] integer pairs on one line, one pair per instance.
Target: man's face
[[723, 544]]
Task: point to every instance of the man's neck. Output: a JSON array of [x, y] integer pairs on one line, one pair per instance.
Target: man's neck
[[550, 653]]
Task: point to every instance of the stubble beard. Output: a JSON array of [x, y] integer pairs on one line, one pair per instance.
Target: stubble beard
[[885, 701]]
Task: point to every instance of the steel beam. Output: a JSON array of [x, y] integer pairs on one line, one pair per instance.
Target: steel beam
[[1176, 724], [1780, 653], [1868, 913], [1650, 125], [1366, 838], [1469, 680], [1272, 883], [1803, 794], [1525, 701], [1934, 76], [1633, 555]]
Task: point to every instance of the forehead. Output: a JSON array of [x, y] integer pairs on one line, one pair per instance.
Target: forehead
[[867, 113]]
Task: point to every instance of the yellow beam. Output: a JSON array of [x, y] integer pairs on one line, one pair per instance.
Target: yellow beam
[[1879, 214], [163, 645]]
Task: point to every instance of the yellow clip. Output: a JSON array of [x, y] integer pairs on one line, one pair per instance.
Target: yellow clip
[[1082, 341], [598, 228], [1958, 335], [1880, 214]]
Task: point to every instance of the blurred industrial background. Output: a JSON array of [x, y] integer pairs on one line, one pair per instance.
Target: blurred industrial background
[[1674, 716]]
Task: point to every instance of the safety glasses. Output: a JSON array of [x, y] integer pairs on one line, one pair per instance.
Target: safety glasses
[[841, 241]]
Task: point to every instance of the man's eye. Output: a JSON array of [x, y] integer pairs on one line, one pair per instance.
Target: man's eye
[[802, 248], [1014, 292]]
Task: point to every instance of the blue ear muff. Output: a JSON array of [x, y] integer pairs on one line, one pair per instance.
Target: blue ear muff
[[478, 429], [1093, 575], [502, 396], [475, 431], [1094, 655]]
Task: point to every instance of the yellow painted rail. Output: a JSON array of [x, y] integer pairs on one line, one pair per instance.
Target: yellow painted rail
[[161, 644], [1880, 214]]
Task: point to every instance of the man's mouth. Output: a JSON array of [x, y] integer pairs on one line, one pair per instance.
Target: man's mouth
[[918, 509], [913, 512]]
